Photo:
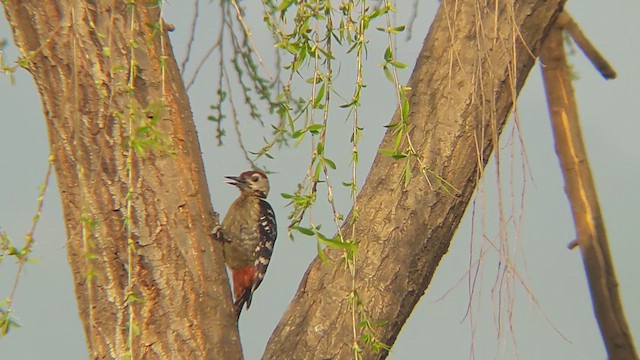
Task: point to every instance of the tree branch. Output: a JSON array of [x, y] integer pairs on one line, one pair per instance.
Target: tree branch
[[459, 98], [590, 228], [599, 62]]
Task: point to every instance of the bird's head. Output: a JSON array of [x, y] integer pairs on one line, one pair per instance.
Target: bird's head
[[251, 181]]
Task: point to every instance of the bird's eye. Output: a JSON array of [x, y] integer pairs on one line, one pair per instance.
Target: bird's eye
[[255, 178]]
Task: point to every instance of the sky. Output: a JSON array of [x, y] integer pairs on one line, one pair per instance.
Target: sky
[[548, 303]]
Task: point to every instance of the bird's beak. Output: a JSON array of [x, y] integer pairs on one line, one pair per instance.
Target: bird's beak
[[234, 180]]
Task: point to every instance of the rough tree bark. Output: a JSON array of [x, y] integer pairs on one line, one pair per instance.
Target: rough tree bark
[[473, 63], [167, 279], [80, 60]]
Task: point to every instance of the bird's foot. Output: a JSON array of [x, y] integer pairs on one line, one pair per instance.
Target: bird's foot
[[218, 235]]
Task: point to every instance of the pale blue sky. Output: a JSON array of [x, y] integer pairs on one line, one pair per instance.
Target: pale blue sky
[[45, 304]]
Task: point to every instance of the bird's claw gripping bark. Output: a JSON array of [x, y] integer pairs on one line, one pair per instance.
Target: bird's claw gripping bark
[[218, 235]]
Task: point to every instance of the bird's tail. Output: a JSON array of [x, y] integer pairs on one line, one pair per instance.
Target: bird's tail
[[242, 287]]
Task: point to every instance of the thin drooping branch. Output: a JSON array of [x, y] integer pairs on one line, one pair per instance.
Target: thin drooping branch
[[591, 233], [459, 102]]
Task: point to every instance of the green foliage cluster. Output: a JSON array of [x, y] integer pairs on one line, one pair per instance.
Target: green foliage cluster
[[306, 33]]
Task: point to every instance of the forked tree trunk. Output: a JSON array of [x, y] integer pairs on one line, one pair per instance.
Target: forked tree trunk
[[472, 65], [164, 288]]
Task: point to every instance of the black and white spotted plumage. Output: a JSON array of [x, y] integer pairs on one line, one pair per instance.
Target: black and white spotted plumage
[[268, 233]]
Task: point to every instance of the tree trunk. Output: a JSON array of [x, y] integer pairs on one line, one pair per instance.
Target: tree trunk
[[149, 282], [473, 63]]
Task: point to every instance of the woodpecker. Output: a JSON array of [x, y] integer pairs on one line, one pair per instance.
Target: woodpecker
[[249, 233]]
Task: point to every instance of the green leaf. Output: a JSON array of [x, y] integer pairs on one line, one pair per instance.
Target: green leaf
[[335, 243], [388, 152], [349, 104], [284, 5], [133, 298], [323, 257], [136, 329], [301, 56], [330, 163], [314, 80], [388, 55], [301, 200], [6, 322], [319, 96], [315, 128], [378, 12], [407, 174], [326, 54], [91, 273], [379, 323], [296, 134], [398, 64], [405, 107], [304, 230], [388, 74], [397, 139]]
